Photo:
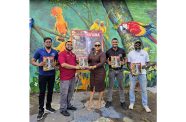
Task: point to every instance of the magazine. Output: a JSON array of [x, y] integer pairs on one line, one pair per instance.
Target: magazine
[[115, 62], [48, 63], [83, 62], [136, 68]]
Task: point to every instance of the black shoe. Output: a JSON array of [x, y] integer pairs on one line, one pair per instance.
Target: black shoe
[[71, 108], [65, 113], [108, 104], [40, 115], [50, 110], [124, 106]]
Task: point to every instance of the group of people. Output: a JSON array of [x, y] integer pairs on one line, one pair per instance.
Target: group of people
[[67, 63]]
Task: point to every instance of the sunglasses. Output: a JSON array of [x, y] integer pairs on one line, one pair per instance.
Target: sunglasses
[[137, 45], [97, 45]]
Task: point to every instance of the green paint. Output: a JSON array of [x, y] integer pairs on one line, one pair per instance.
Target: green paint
[[80, 15]]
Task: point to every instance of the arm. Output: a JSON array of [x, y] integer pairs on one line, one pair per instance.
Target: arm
[[63, 63], [124, 59], [102, 60], [107, 58], [35, 63], [68, 66], [34, 59], [129, 64], [147, 64]]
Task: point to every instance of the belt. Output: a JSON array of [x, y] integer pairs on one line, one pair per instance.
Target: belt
[[115, 68]]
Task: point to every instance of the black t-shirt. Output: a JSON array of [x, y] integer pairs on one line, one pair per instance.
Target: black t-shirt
[[119, 52]]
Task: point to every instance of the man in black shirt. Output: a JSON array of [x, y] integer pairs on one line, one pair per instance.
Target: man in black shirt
[[116, 58]]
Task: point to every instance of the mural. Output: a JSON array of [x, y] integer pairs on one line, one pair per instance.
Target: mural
[[127, 20]]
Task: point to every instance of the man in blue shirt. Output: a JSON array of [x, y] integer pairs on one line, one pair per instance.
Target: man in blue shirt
[[47, 58]]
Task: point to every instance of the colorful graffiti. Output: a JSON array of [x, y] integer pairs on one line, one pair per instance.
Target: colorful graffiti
[[57, 18]]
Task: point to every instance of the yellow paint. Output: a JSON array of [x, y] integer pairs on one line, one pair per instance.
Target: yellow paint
[[61, 47]]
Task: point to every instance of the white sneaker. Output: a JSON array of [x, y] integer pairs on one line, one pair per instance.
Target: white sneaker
[[131, 106], [147, 109]]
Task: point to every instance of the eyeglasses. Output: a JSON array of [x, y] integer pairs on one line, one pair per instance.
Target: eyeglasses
[[69, 44], [137, 45], [98, 45], [47, 42]]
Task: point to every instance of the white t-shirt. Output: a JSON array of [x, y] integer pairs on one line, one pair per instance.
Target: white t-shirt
[[138, 57]]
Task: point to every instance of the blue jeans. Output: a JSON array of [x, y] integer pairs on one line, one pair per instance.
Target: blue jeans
[[143, 85]]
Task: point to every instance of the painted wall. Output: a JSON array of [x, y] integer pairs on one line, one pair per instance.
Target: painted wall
[[81, 16]]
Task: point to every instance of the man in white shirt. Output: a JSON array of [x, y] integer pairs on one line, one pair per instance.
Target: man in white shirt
[[141, 57]]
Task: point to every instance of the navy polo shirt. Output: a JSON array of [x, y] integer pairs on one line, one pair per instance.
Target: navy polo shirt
[[39, 54]]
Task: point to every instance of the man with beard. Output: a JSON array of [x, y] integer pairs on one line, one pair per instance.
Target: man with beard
[[46, 75], [67, 68], [117, 54], [138, 56]]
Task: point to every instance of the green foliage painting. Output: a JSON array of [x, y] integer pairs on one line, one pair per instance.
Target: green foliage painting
[[56, 19]]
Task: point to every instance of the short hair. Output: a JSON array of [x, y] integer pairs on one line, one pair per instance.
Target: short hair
[[97, 41], [46, 38], [138, 42], [114, 39], [67, 42]]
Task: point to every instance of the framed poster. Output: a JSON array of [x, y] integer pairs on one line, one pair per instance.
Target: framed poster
[[83, 41]]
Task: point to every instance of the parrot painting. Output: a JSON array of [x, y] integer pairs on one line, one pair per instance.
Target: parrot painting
[[60, 25], [95, 25], [102, 27], [138, 29]]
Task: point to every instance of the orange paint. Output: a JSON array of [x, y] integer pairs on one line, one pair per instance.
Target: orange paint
[[60, 25]]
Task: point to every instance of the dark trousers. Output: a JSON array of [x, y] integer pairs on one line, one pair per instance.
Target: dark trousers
[[43, 82]]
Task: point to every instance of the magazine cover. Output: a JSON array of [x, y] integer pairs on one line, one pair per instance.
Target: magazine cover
[[136, 68], [48, 63], [83, 62], [115, 62]]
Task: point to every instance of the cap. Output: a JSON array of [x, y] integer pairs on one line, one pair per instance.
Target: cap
[[137, 41]]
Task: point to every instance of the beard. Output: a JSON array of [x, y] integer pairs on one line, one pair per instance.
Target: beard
[[137, 49], [115, 46], [69, 49], [48, 47]]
